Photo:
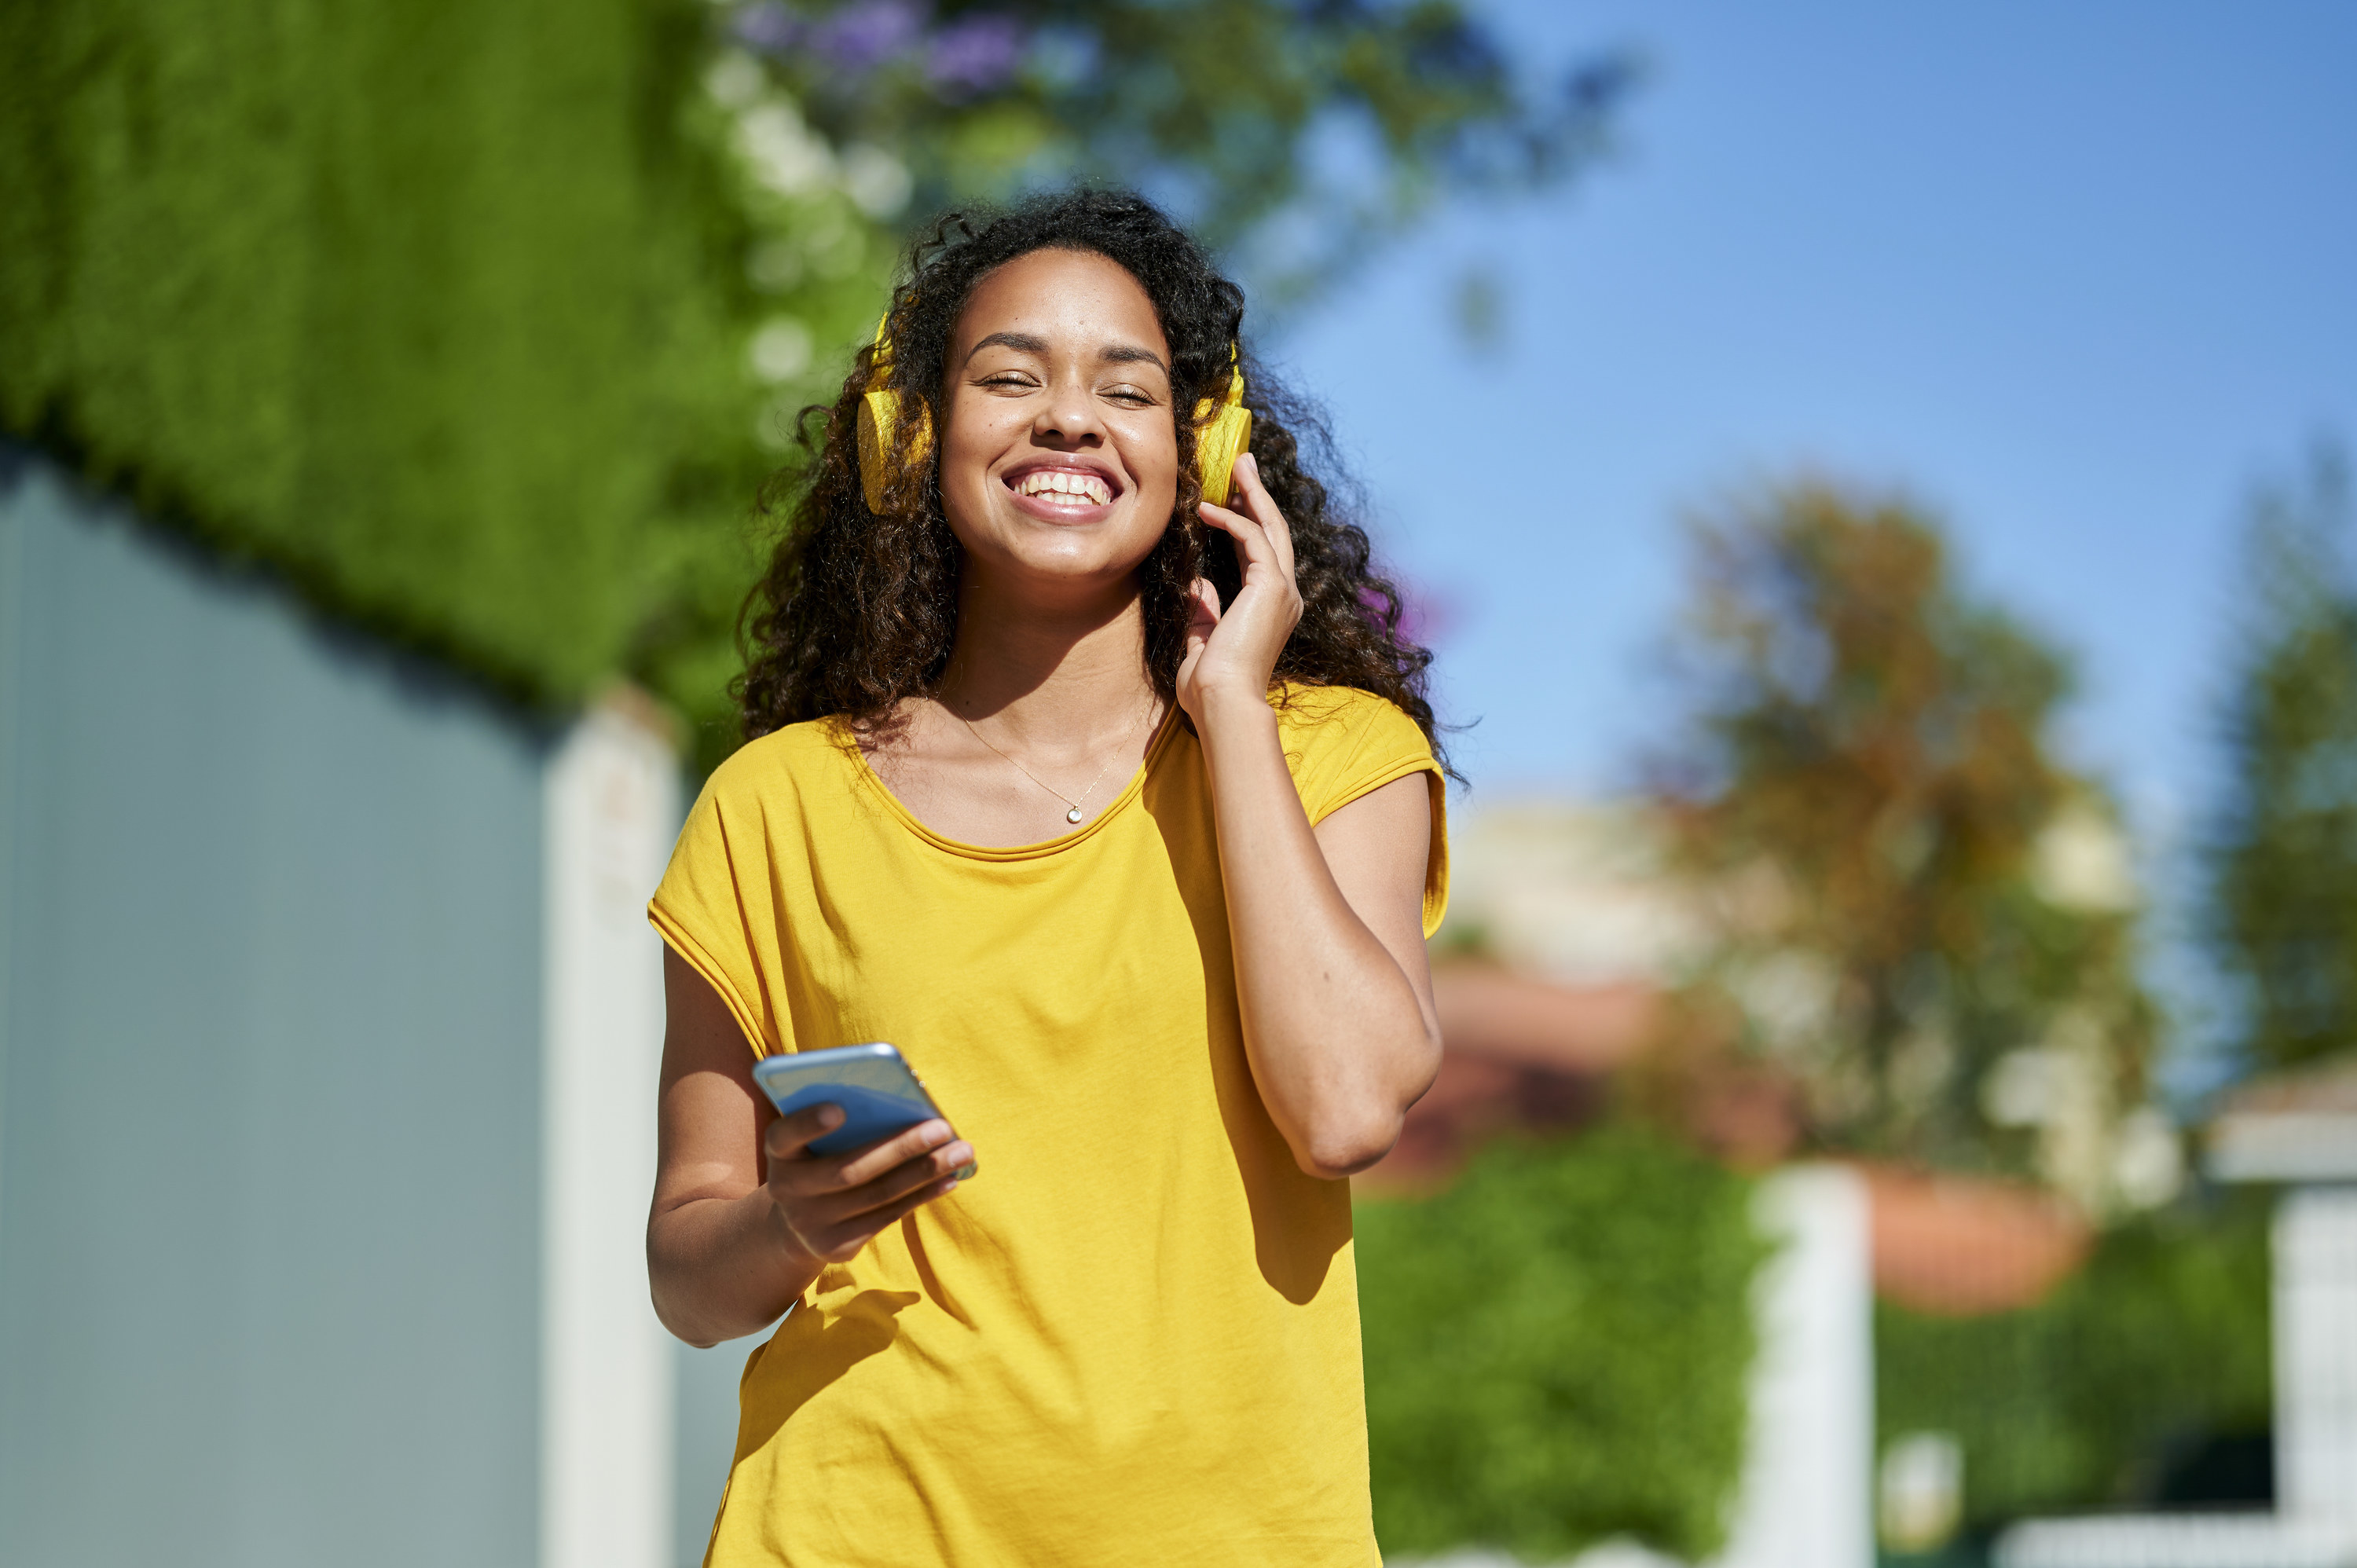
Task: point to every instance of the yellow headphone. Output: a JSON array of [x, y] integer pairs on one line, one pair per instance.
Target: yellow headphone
[[880, 419], [1223, 432]]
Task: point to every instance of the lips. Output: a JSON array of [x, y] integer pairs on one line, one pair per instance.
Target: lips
[[1063, 491]]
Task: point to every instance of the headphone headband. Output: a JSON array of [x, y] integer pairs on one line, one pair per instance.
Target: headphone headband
[[879, 423], [1223, 429]]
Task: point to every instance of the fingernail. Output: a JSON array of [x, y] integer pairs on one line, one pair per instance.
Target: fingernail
[[829, 1115]]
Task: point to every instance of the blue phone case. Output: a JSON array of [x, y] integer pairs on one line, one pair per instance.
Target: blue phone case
[[878, 1093]]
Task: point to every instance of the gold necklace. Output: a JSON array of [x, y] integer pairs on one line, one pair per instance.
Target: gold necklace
[[1073, 815]]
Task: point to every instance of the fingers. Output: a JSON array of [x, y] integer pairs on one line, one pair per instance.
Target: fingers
[[893, 1186], [817, 1190], [1269, 586], [805, 1173], [1258, 526], [839, 1243], [1253, 540], [863, 1165], [1264, 508], [834, 1226], [1255, 505], [833, 1205], [788, 1135]]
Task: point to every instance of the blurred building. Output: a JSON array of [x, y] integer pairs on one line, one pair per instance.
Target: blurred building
[[1549, 976], [1574, 891], [329, 1028]]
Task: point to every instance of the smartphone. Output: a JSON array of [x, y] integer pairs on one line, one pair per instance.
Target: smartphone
[[873, 1084]]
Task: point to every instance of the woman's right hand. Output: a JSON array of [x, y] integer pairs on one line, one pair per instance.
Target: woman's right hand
[[830, 1206]]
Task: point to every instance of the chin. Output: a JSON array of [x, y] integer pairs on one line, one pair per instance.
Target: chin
[[1096, 549], [1075, 560]]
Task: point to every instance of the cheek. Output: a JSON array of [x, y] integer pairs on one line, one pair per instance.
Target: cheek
[[969, 447], [1152, 458], [973, 440]]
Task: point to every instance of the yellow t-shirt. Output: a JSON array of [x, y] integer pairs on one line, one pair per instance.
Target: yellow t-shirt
[[1132, 1337]]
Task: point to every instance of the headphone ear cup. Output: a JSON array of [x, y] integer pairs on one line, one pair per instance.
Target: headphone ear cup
[[880, 419], [1218, 445]]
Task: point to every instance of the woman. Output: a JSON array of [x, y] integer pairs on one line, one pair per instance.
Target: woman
[[1117, 812]]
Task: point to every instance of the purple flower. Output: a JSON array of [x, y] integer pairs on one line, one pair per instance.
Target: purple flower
[[864, 36], [976, 54], [1424, 618], [767, 28]]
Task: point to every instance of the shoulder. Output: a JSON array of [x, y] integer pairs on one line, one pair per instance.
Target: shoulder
[[1321, 723], [777, 766], [767, 785], [1341, 742], [748, 806]]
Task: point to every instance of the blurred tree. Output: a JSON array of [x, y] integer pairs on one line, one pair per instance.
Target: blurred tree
[[1286, 132], [2282, 915], [496, 368], [1923, 914]]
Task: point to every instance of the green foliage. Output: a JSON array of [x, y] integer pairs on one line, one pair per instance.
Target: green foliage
[[2283, 906], [1556, 1349], [2074, 1403], [1910, 886], [386, 296], [1212, 105], [483, 323]]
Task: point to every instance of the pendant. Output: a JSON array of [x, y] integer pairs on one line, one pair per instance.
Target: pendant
[[1073, 815]]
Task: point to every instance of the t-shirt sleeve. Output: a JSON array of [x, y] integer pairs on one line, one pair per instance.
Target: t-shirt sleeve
[[1341, 744], [713, 908]]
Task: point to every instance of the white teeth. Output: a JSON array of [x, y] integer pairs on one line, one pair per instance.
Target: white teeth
[[1063, 482]]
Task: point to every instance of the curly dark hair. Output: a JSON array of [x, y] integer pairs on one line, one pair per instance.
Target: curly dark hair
[[858, 609]]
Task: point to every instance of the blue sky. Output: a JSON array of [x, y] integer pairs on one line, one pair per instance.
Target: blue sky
[[2075, 276]]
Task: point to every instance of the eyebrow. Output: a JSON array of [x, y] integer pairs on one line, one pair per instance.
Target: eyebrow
[[1021, 342], [1026, 343], [1131, 354]]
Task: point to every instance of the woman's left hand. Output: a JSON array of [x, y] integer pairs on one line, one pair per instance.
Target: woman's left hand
[[1232, 651]]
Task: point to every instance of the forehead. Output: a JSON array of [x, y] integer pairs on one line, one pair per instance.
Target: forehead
[[1073, 299]]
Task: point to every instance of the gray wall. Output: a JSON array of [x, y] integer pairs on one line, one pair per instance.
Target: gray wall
[[705, 1437], [270, 977]]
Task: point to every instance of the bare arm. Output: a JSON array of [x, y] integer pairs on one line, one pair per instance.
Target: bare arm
[[1326, 923], [730, 1245]]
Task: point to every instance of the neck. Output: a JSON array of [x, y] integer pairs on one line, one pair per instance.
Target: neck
[[1058, 670]]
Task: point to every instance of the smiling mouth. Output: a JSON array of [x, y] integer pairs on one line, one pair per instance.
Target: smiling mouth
[[1062, 486]]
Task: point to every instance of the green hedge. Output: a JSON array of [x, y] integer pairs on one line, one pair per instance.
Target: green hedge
[[1556, 1349], [411, 301], [2161, 1339]]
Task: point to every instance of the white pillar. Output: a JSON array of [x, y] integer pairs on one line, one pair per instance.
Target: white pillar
[[2314, 1245], [612, 807], [1806, 1499]]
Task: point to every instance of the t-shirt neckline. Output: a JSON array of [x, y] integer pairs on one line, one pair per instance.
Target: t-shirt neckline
[[1045, 847]]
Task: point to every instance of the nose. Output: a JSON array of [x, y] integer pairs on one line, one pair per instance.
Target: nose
[[1067, 419]]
